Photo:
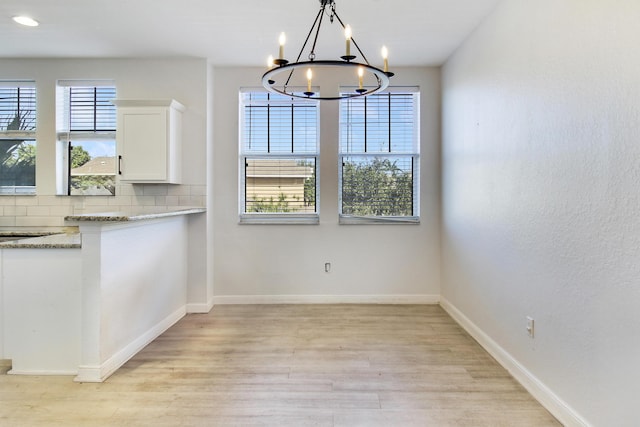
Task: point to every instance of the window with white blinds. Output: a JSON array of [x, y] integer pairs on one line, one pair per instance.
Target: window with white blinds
[[379, 157], [278, 158], [86, 126], [17, 137]]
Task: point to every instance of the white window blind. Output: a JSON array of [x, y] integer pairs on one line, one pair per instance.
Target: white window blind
[[379, 157], [17, 106], [85, 108], [279, 155]]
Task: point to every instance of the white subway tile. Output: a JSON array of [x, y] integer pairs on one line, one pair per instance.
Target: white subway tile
[[172, 200], [144, 201], [7, 200], [15, 210], [198, 190], [155, 190], [26, 201], [7, 221], [179, 190], [120, 200], [38, 211], [51, 200], [125, 190], [191, 201], [96, 200], [39, 221], [61, 211]]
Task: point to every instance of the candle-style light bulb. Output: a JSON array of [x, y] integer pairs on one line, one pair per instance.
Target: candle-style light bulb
[[360, 77], [347, 35], [270, 63], [282, 40], [309, 76], [385, 56]]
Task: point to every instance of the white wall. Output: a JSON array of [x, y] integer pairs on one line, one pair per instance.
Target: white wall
[[369, 262], [41, 291], [134, 287], [541, 204]]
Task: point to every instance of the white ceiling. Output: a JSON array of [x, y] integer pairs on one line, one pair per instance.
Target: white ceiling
[[240, 32]]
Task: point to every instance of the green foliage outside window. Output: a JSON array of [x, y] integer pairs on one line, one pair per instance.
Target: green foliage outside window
[[17, 156], [376, 188]]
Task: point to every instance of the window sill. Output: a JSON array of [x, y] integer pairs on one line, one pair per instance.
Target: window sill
[[23, 191], [280, 219], [367, 220]]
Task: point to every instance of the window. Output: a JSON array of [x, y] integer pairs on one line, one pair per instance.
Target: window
[[278, 158], [379, 158], [17, 137], [86, 124]]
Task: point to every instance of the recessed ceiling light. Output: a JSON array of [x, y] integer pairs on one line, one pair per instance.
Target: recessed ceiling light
[[25, 20]]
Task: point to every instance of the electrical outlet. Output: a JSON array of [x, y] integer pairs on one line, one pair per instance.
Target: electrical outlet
[[530, 326], [327, 267]]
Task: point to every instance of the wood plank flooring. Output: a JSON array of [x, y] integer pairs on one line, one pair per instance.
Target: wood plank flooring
[[290, 365]]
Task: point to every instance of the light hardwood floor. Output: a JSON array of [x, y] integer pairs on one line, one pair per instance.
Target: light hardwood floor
[[290, 365]]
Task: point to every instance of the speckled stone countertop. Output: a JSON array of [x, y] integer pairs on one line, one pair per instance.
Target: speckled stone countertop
[[69, 237], [39, 241], [123, 216]]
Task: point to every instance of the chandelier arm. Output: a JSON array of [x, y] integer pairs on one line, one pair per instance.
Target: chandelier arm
[[312, 53], [318, 16], [352, 39]]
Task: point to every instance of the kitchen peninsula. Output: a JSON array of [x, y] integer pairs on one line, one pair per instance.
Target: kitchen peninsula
[[83, 303]]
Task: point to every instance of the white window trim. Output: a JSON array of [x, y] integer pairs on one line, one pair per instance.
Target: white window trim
[[282, 218], [63, 137], [279, 218], [346, 219], [29, 135]]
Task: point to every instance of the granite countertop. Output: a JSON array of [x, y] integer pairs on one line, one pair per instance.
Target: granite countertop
[[61, 240], [124, 216], [69, 237]]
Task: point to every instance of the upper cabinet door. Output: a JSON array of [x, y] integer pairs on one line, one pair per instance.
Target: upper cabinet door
[[149, 141]]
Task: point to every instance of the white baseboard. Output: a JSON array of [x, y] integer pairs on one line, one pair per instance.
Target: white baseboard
[[326, 299], [200, 308], [99, 373], [40, 372], [563, 412]]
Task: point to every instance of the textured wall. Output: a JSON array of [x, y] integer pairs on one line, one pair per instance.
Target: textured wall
[[541, 204]]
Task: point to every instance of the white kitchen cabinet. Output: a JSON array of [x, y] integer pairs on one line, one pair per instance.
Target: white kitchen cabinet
[[149, 141]]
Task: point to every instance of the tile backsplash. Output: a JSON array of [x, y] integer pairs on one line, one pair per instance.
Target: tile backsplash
[[49, 211]]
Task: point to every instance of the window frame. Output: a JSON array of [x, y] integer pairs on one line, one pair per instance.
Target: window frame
[[66, 135], [413, 154], [246, 155], [26, 135]]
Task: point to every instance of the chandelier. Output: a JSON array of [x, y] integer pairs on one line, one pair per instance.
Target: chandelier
[[284, 77]]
